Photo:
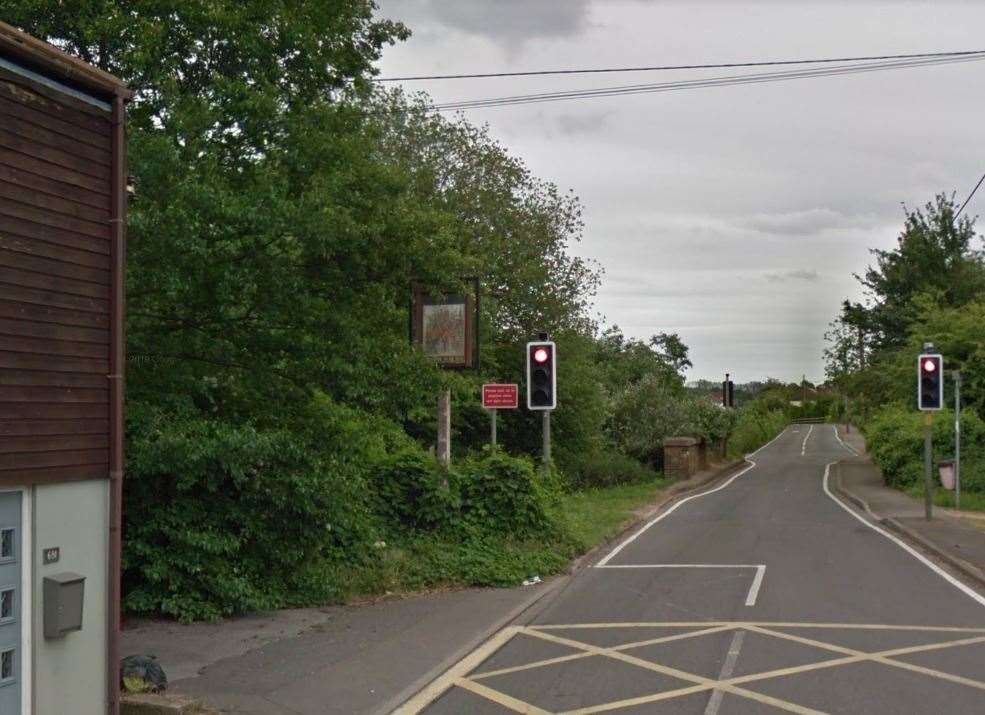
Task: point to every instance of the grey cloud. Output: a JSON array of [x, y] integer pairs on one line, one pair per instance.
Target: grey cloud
[[583, 123], [508, 22], [803, 274], [803, 223]]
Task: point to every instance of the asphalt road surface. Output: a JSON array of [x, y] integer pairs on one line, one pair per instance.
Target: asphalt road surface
[[764, 594]]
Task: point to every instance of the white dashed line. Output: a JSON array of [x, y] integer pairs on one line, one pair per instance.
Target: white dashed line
[[803, 450], [728, 667]]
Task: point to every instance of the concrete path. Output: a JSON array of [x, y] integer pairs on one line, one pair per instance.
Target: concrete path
[[765, 594], [351, 659]]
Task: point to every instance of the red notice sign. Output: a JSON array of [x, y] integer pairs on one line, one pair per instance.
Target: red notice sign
[[500, 397]]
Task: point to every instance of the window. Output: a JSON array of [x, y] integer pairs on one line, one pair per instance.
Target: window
[[7, 547], [7, 667], [6, 605]]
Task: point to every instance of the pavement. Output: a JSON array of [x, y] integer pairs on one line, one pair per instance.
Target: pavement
[[766, 593], [346, 659]]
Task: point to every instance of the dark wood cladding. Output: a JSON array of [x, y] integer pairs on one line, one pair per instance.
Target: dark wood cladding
[[56, 158]]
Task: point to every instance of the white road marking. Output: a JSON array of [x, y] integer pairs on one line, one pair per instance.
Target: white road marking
[[757, 583], [673, 508], [965, 589], [751, 597], [728, 667], [843, 444], [803, 450]]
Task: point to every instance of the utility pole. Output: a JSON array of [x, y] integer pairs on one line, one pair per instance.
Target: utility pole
[[957, 439], [803, 390]]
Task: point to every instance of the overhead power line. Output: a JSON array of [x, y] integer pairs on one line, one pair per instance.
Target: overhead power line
[[970, 196], [664, 68], [726, 80]]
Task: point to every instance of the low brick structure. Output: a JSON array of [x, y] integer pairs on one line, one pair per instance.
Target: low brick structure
[[682, 457]]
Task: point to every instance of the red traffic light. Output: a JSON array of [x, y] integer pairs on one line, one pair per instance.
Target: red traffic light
[[541, 355], [930, 382]]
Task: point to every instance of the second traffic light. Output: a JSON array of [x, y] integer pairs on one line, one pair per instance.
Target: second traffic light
[[728, 392], [930, 382], [541, 375]]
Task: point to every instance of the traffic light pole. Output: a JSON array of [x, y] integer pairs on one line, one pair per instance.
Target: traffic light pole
[[928, 455], [957, 439], [547, 439]]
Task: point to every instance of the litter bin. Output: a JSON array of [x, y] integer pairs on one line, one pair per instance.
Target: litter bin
[[946, 470]]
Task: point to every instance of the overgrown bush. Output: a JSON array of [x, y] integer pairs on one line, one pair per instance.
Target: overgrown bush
[[755, 425], [894, 436], [650, 410], [411, 491], [497, 525], [222, 519], [609, 468], [501, 494], [819, 406]]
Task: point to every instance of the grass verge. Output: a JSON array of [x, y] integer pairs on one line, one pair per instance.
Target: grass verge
[[970, 501], [594, 515]]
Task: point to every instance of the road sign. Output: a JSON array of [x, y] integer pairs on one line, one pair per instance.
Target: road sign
[[500, 396]]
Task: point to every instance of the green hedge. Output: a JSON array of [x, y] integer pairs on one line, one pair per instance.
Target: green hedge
[[223, 519], [894, 436], [610, 468]]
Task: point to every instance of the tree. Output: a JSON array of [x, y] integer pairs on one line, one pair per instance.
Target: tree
[[672, 350], [934, 253], [846, 335]]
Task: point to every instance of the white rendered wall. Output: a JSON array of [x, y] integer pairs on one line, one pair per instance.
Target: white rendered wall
[[70, 672]]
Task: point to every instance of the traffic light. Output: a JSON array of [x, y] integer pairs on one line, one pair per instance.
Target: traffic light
[[728, 392], [541, 376], [930, 382]]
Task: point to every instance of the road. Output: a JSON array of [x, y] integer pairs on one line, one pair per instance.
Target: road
[[764, 594]]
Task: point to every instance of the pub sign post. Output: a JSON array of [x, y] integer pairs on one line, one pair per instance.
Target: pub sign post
[[444, 326]]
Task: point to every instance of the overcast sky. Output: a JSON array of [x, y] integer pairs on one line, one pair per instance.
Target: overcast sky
[[733, 216]]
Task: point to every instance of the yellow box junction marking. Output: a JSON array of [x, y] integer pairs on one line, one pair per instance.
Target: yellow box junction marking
[[459, 674]]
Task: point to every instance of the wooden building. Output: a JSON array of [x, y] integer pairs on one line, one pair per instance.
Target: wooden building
[[62, 257]]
